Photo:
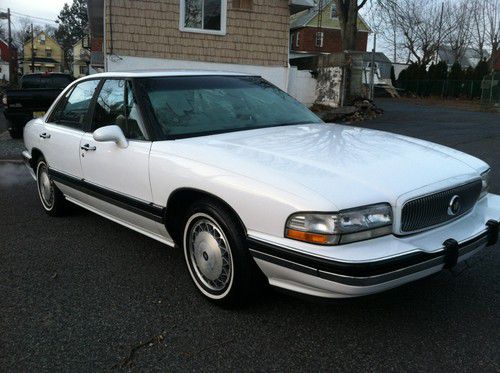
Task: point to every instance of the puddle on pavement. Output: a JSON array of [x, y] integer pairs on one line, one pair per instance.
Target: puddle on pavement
[[12, 174]]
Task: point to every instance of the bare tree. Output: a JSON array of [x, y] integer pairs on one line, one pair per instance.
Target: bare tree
[[348, 16], [23, 32], [382, 16], [347, 11], [493, 26], [459, 24], [420, 28], [479, 27], [407, 25]]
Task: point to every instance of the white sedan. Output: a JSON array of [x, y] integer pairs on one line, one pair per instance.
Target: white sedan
[[253, 186]]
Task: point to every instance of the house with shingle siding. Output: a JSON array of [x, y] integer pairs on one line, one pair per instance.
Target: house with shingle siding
[[318, 30], [249, 36]]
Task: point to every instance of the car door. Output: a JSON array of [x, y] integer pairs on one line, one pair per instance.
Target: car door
[[117, 176], [61, 135]]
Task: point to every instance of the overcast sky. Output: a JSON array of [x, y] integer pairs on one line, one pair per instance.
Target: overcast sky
[[48, 9]]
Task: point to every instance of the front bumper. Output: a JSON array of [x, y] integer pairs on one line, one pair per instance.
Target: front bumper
[[305, 273]]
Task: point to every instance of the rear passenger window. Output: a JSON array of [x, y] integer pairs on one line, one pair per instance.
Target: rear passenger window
[[116, 106], [73, 111]]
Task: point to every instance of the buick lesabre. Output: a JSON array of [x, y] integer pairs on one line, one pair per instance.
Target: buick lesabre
[[252, 185]]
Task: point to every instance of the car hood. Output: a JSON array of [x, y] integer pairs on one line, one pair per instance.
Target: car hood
[[349, 166]]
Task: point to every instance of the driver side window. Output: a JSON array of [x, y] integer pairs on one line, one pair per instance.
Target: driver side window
[[116, 105]]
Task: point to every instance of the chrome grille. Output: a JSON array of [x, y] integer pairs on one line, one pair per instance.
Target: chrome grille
[[432, 209]]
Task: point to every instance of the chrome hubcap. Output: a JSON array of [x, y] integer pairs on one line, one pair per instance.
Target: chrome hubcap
[[45, 186], [210, 254]]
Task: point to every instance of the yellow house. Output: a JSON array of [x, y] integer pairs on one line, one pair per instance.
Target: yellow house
[[81, 59], [48, 55]]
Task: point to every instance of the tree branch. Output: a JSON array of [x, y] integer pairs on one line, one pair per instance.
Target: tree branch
[[362, 4]]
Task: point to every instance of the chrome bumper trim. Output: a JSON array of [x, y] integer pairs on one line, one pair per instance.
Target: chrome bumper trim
[[373, 273]]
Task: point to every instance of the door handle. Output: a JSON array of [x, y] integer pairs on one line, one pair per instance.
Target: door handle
[[87, 147], [45, 135]]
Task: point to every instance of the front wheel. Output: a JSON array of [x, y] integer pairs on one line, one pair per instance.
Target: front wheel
[[52, 199], [217, 256]]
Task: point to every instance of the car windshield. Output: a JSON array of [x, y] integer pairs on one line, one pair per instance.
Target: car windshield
[[200, 105]]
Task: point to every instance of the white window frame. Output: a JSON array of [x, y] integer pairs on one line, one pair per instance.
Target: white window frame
[[334, 7], [297, 39], [321, 36], [223, 20]]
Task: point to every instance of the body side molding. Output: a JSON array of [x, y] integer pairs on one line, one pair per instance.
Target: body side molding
[[145, 209]]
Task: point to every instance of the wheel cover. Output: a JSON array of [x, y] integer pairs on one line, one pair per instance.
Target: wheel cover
[[210, 254], [45, 186]]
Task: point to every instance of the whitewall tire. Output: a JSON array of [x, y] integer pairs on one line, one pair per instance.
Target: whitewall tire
[[51, 198], [216, 254]]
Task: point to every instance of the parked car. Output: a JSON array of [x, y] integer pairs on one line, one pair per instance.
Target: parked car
[[38, 91], [251, 184]]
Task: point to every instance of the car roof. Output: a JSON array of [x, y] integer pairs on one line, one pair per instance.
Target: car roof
[[163, 73]]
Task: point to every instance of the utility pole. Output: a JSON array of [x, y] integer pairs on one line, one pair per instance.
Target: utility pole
[[12, 70], [319, 26], [372, 71], [32, 50]]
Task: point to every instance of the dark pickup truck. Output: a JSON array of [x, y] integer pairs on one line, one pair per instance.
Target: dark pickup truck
[[33, 99]]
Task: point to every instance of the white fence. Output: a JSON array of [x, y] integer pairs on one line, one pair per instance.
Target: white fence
[[302, 86], [323, 89]]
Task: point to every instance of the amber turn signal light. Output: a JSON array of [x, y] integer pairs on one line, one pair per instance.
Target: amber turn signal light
[[307, 237]]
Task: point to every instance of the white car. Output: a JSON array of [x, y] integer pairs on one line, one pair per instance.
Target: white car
[[252, 185]]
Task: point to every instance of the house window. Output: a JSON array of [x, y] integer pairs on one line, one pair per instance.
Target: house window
[[205, 16], [297, 39], [334, 11], [319, 39], [243, 4], [42, 39], [83, 70], [48, 53]]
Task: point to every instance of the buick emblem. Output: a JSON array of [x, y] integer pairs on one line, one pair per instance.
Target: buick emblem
[[455, 205]]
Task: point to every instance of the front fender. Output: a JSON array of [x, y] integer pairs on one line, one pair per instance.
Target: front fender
[[261, 207]]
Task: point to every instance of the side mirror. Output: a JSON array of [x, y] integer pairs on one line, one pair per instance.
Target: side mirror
[[111, 133]]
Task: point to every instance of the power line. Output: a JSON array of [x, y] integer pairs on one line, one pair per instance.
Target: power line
[[28, 16]]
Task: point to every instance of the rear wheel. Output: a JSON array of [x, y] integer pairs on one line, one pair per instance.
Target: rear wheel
[[216, 254], [16, 132], [52, 199]]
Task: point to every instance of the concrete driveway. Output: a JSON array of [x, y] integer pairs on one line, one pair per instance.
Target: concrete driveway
[[82, 293]]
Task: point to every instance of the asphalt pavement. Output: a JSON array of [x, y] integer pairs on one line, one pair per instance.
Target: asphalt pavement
[[82, 293]]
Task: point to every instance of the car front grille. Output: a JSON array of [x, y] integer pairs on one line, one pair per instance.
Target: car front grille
[[433, 209]]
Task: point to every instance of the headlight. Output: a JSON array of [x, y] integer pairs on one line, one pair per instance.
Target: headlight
[[486, 178], [343, 227]]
